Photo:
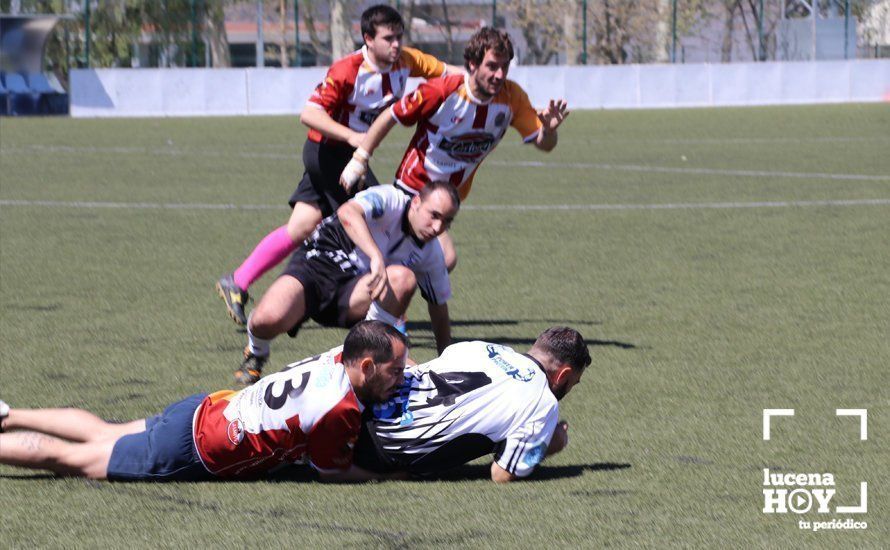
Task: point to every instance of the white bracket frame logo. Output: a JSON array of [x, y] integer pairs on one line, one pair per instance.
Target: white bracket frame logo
[[768, 414]]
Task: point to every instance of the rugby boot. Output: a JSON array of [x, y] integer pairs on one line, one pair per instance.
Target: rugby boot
[[234, 297], [251, 368], [4, 412]]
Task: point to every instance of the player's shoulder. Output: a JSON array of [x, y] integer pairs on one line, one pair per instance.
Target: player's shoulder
[[478, 348], [347, 67], [444, 85], [322, 371], [410, 55], [380, 199], [512, 94]]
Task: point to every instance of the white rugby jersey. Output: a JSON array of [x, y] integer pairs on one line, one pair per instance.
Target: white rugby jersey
[[386, 211], [308, 411], [477, 398], [355, 90]]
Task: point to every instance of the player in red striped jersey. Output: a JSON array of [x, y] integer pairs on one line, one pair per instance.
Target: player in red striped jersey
[[460, 119], [355, 90], [309, 412]]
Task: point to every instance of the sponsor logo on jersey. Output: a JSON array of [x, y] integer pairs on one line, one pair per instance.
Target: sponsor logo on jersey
[[368, 117], [235, 431], [412, 259], [500, 119], [323, 378], [523, 375], [375, 202], [468, 147], [535, 456]]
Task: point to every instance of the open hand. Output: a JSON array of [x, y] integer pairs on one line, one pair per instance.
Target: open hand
[[553, 115]]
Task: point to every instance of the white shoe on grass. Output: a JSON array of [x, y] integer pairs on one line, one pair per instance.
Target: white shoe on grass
[[4, 412]]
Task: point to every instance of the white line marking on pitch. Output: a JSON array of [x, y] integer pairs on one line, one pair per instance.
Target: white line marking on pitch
[[471, 207], [698, 171], [176, 152]]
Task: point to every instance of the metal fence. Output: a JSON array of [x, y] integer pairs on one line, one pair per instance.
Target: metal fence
[[288, 33]]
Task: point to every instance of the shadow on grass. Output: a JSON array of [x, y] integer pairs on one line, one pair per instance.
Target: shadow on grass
[[26, 475], [301, 474], [541, 473], [422, 332]]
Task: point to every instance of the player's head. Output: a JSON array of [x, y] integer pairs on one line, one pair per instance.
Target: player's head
[[487, 59], [382, 30], [433, 209], [564, 355], [375, 353]]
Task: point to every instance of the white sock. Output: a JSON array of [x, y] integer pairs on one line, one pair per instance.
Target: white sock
[[377, 313], [260, 347]]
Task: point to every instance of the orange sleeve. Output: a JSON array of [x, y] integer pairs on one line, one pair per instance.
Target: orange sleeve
[[525, 118], [422, 64]]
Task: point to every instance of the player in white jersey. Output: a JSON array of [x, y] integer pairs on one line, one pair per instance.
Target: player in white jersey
[[364, 262], [477, 398]]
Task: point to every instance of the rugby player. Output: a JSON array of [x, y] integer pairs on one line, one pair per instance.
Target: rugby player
[[365, 261], [476, 399], [355, 90], [309, 412], [460, 119]]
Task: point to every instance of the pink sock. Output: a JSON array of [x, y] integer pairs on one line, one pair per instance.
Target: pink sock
[[272, 249]]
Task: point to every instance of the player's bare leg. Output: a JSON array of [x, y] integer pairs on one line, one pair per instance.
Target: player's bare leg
[[303, 220], [282, 307], [71, 424], [447, 244], [45, 452], [392, 304]]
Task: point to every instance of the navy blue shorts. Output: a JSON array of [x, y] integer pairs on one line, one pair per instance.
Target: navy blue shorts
[[165, 451]]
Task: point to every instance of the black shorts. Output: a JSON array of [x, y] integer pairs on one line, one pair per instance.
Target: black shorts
[[367, 453], [321, 181], [327, 289]]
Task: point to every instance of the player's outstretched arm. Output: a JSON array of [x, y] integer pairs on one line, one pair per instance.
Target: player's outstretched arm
[[358, 166], [321, 121], [551, 118], [441, 323], [352, 217]]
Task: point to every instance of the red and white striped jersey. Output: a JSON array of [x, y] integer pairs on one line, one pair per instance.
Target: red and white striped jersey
[[355, 90], [456, 131], [307, 411]]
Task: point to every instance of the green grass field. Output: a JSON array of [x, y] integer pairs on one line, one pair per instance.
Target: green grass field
[[719, 262]]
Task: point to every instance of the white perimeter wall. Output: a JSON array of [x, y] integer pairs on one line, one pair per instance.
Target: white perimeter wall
[[221, 92]]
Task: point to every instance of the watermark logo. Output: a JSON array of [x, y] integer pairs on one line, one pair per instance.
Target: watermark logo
[[802, 493]]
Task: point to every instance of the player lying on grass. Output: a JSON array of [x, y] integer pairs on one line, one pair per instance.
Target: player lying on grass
[[476, 399], [355, 90], [364, 262], [308, 412], [460, 119]]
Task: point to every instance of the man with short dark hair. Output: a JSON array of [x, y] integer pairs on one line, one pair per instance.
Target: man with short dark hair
[[355, 90], [365, 261], [477, 398], [309, 412], [460, 119]]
